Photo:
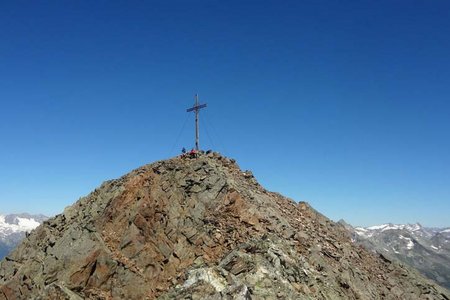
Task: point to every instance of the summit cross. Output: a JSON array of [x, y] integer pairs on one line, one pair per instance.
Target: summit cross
[[196, 108]]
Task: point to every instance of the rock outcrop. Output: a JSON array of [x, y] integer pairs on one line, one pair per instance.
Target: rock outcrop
[[199, 228]]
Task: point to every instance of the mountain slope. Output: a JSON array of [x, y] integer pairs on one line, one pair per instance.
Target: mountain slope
[[13, 228], [426, 249], [198, 228]]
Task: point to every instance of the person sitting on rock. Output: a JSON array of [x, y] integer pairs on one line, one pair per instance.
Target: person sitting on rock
[[193, 153]]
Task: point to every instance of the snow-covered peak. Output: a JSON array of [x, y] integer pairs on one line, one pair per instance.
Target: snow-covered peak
[[414, 227], [16, 223], [390, 226], [27, 224]]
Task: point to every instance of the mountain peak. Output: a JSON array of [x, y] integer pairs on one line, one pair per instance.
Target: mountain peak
[[13, 228], [197, 226]]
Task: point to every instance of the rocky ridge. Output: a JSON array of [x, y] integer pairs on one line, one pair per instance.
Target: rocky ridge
[[199, 228]]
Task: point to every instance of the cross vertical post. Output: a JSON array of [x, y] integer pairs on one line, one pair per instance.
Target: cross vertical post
[[196, 108], [196, 124]]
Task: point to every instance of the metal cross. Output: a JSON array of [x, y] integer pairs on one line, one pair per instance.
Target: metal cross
[[196, 108]]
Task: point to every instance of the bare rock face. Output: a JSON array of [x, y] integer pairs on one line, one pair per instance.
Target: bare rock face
[[198, 228]]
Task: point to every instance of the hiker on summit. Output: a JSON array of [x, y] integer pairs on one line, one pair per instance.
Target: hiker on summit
[[193, 153]]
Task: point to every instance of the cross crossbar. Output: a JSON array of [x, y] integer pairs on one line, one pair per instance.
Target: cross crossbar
[[197, 107]]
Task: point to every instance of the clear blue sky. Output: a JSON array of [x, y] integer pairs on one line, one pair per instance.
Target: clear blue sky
[[344, 104]]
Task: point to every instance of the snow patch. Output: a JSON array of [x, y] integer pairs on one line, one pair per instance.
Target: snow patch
[[362, 232], [361, 229], [376, 227], [393, 227], [410, 244]]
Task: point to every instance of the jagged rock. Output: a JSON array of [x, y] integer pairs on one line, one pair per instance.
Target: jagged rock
[[198, 228]]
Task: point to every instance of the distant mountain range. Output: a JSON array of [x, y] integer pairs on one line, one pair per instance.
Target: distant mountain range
[[13, 228], [426, 249]]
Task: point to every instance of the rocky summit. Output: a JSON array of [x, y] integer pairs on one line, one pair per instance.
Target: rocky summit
[[199, 228]]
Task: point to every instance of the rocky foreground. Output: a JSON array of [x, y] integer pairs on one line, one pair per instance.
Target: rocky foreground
[[199, 228]]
